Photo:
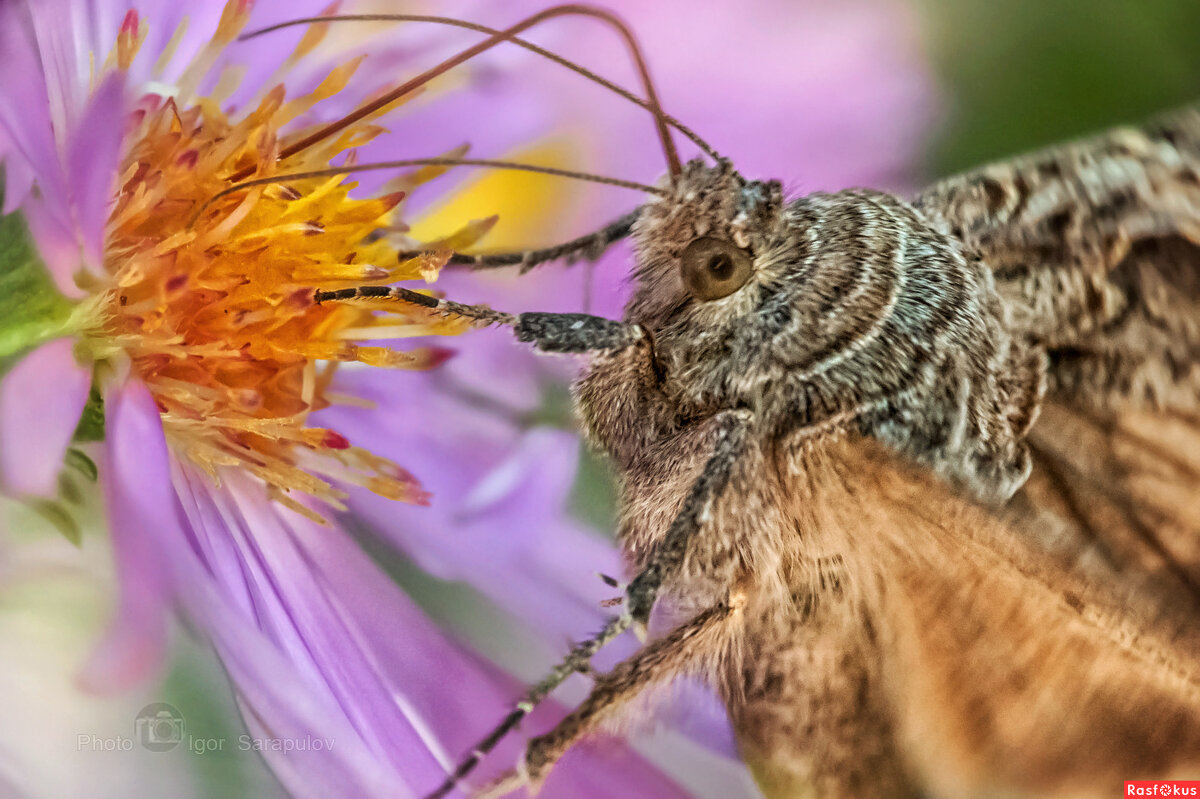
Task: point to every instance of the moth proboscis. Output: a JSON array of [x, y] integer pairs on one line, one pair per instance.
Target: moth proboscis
[[917, 478]]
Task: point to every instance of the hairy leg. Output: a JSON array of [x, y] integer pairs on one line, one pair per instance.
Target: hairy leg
[[589, 247], [549, 332], [642, 591], [672, 655]]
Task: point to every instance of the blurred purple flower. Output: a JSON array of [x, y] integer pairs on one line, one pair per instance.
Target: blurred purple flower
[[318, 643]]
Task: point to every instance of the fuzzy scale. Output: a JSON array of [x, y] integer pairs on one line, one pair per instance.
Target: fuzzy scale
[[988, 629]]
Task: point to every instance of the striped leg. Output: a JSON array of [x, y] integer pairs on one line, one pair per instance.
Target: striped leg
[[589, 247], [729, 443], [673, 655], [481, 315], [550, 332], [577, 660]]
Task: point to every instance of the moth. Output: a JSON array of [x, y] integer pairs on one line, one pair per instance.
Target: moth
[[916, 479]]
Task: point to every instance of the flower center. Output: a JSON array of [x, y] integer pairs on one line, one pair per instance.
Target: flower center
[[212, 302]]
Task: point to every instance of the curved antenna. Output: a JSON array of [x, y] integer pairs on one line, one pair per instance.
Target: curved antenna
[[482, 162], [675, 168], [578, 69]]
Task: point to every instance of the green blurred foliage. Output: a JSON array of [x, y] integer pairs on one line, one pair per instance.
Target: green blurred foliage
[[31, 309], [1019, 74]]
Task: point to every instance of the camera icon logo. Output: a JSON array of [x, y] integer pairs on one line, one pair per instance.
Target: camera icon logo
[[159, 727]]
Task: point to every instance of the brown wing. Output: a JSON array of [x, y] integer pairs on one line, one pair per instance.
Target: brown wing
[[1008, 673], [1095, 247], [1051, 649], [951, 645]]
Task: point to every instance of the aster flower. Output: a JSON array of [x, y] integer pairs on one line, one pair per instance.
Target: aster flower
[[190, 348]]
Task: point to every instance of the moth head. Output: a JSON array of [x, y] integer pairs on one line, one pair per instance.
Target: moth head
[[700, 248]]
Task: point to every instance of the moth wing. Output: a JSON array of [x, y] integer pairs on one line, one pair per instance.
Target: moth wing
[[1011, 671], [1095, 247], [1116, 496], [1116, 450], [1053, 641]]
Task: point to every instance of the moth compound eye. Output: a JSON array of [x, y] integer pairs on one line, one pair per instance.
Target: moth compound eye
[[713, 268]]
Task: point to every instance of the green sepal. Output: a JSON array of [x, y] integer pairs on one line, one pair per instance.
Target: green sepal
[[58, 515], [32, 310], [78, 461], [91, 423]]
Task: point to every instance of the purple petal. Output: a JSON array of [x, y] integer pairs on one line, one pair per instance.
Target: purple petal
[[296, 610], [322, 644], [140, 508], [258, 58], [281, 694], [25, 109], [32, 116], [697, 712], [18, 179], [41, 400], [56, 241], [92, 162], [62, 35], [497, 518], [455, 698]]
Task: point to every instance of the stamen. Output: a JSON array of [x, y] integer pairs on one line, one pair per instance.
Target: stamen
[[217, 316], [168, 52], [129, 40]]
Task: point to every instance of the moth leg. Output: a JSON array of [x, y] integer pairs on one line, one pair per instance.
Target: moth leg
[[659, 661], [641, 593], [729, 443], [576, 332], [550, 332], [478, 315], [577, 660], [589, 247]]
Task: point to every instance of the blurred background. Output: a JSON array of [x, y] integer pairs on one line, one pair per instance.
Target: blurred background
[[1019, 74], [887, 93]]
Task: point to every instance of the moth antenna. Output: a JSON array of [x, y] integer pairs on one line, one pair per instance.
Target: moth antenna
[[578, 69], [675, 168], [438, 161]]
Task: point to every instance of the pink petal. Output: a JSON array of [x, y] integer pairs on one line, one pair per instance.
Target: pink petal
[[319, 643], [141, 509], [25, 107], [298, 673], [40, 403], [56, 242], [92, 163], [60, 30], [18, 180], [277, 693], [453, 696]]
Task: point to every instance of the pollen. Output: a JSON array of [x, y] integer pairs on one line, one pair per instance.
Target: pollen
[[210, 303]]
